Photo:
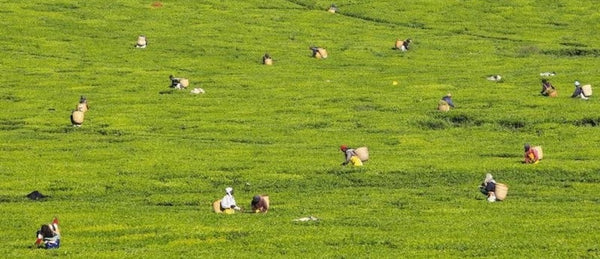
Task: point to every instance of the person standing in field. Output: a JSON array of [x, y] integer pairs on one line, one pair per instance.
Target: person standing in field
[[531, 155], [48, 236], [260, 203], [350, 156], [228, 204], [488, 187]]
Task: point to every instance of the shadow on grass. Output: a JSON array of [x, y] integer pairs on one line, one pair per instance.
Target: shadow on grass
[[587, 122], [345, 170], [11, 124]]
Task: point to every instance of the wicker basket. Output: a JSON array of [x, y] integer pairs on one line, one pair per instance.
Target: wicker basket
[[321, 53], [539, 152], [362, 153], [217, 206], [398, 44], [443, 106], [587, 90], [184, 82], [501, 191], [77, 117], [141, 41]]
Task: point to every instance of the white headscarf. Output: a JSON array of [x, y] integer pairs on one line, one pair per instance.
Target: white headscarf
[[489, 178], [228, 190]]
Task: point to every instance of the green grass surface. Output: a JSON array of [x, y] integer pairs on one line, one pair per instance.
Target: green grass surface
[[138, 178]]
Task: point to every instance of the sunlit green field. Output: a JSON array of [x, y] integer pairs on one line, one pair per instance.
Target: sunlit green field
[[140, 175]]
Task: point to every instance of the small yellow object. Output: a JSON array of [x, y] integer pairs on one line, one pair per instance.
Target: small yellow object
[[256, 211], [356, 161], [395, 83]]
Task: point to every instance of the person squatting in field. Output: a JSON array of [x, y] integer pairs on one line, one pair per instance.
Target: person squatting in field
[[48, 236], [267, 59], [448, 99], [228, 204], [547, 88], [179, 82], [350, 156], [260, 203], [488, 187], [579, 93], [531, 155]]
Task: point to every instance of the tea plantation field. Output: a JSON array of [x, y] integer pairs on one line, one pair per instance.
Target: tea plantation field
[[138, 178]]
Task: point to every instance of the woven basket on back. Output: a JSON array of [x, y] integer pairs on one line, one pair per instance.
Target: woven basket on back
[[217, 206], [184, 82], [539, 152], [77, 117], [443, 106], [266, 198], [321, 53], [267, 201], [501, 191], [141, 41], [587, 90], [362, 153]]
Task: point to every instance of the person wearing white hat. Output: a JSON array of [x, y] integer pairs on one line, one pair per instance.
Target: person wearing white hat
[[578, 93], [488, 187], [228, 204]]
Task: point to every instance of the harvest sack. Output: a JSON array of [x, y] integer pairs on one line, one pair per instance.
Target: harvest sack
[[268, 61], [539, 151], [587, 90], [362, 153], [501, 191], [552, 93]]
